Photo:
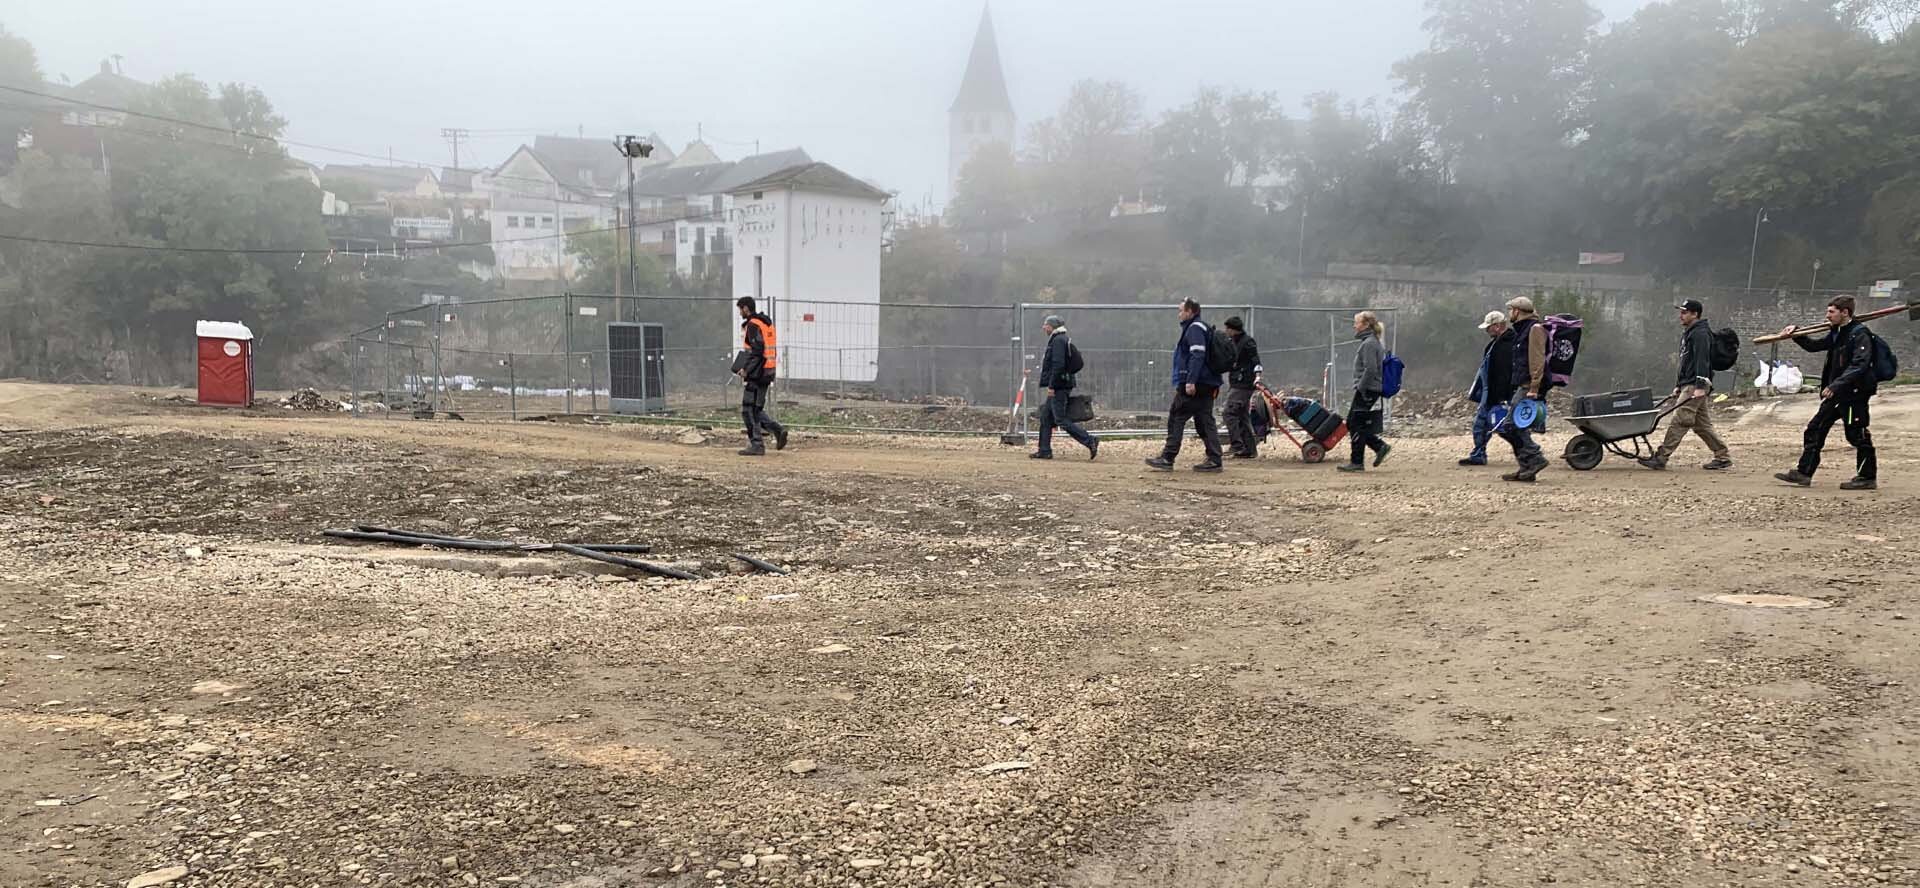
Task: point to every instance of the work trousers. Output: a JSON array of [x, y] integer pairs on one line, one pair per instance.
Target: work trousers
[[1852, 415], [1199, 408]]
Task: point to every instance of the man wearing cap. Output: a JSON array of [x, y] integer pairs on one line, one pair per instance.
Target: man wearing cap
[[1491, 387], [1527, 373], [1241, 443], [1695, 384], [1056, 377]]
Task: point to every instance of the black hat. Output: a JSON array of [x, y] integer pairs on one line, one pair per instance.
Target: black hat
[[1234, 323], [1692, 305]]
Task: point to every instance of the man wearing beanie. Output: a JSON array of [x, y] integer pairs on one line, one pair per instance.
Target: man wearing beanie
[[1057, 370], [1241, 443]]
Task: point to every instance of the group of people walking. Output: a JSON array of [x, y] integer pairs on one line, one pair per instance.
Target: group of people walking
[[1513, 370], [1512, 365]]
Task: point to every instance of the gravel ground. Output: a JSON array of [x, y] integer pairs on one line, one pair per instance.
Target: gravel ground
[[980, 671]]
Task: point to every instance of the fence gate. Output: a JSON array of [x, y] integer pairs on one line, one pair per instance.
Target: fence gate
[[636, 367]]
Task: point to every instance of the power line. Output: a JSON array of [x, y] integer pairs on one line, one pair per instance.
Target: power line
[[292, 251]]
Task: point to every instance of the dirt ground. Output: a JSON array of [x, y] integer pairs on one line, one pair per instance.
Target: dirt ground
[[982, 670]]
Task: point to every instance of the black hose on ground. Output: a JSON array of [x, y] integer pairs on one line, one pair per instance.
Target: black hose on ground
[[444, 543], [658, 570], [419, 534], [767, 566], [628, 548]]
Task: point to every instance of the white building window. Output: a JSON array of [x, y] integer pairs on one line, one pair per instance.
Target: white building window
[[546, 221], [513, 221], [683, 235]]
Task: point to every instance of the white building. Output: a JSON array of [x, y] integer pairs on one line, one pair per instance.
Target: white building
[[554, 186], [982, 113], [685, 208], [807, 245]]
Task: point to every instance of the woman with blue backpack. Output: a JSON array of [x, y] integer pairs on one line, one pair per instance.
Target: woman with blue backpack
[[1364, 415]]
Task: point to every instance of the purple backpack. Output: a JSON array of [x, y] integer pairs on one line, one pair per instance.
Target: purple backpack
[[1563, 346]]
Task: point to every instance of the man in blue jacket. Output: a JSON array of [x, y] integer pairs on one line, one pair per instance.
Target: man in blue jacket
[[1194, 387]]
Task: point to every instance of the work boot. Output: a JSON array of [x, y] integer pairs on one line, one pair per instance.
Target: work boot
[[1037, 455], [1718, 463], [779, 437], [1238, 454], [1160, 462], [1527, 472], [1381, 457], [1208, 466], [1793, 477], [754, 450], [1472, 461], [1859, 484], [1653, 462], [1351, 467], [1093, 450]]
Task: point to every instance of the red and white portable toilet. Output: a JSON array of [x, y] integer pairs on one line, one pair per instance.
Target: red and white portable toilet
[[226, 363]]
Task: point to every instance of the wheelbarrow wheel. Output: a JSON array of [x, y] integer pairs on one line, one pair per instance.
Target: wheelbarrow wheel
[[1584, 452], [1312, 452]]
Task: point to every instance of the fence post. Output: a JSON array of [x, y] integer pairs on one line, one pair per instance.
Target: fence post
[[353, 373], [593, 382], [513, 391], [1386, 404], [840, 356], [566, 315], [933, 372], [1333, 357]]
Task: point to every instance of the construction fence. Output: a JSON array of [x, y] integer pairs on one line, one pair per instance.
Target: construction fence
[[897, 365], [957, 368]]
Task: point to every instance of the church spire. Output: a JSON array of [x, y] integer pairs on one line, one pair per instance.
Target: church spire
[[984, 88]]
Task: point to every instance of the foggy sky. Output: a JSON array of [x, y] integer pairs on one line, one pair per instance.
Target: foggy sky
[[861, 84]]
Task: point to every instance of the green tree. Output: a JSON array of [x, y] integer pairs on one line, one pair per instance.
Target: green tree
[[19, 66], [1093, 152], [603, 254], [992, 194]]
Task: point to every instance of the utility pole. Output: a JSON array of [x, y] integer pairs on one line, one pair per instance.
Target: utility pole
[[1300, 252], [454, 134]]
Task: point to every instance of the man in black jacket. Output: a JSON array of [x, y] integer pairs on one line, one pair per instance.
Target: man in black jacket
[[1846, 383], [1240, 382], [1692, 390], [1057, 381], [1492, 386]]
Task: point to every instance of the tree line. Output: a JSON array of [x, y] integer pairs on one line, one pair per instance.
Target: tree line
[[210, 219], [1523, 135]]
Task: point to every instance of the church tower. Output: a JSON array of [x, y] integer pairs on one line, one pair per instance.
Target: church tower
[[981, 114]]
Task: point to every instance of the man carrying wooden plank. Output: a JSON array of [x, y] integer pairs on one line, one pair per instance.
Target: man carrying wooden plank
[[1847, 381]]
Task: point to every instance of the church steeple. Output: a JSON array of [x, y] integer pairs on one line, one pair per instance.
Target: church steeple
[[982, 112], [984, 88]]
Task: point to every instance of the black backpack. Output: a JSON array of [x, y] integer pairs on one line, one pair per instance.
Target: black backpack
[[1075, 363], [1726, 348], [1222, 352], [1885, 365]]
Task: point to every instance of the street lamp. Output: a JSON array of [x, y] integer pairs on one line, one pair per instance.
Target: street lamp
[[1816, 278], [631, 147], [1755, 252]]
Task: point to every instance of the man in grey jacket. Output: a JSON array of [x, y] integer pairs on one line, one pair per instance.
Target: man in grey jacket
[[1693, 389]]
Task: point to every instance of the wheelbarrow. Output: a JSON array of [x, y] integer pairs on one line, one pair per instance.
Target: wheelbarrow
[[1604, 433]]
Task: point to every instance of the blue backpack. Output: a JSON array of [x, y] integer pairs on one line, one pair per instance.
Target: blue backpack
[[1391, 370]]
